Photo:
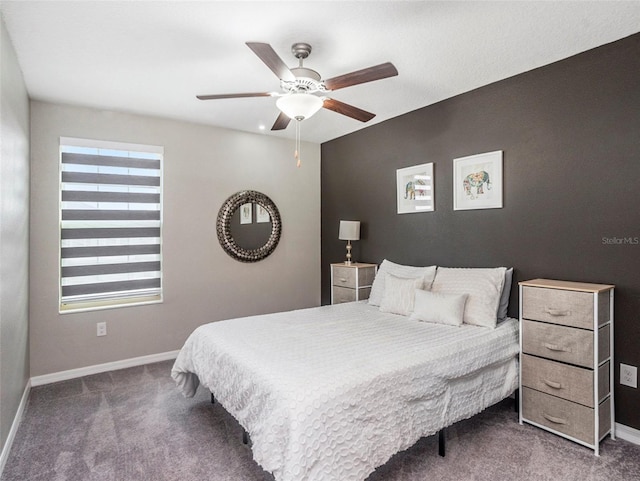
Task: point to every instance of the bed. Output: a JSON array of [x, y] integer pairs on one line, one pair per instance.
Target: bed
[[332, 392]]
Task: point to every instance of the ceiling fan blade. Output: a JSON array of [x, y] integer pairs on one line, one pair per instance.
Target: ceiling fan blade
[[281, 122], [348, 110], [384, 70], [269, 56], [234, 96]]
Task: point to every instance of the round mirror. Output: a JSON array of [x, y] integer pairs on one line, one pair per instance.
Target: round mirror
[[248, 226]]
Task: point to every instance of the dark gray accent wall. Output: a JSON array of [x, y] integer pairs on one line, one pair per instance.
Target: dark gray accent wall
[[570, 132]]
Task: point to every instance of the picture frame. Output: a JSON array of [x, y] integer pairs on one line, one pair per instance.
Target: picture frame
[[415, 189], [262, 214], [477, 181], [246, 213]]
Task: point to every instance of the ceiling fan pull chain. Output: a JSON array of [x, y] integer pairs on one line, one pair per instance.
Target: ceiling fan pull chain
[[297, 152]]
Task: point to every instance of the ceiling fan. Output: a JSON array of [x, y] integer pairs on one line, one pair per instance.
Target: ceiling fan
[[300, 84]]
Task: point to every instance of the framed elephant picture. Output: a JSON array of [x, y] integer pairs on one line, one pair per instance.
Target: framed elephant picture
[[477, 181], [414, 187]]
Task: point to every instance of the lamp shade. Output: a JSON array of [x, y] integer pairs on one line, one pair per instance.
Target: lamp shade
[[299, 106], [349, 230]]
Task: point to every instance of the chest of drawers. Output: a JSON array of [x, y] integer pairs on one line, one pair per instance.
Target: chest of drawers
[[351, 282], [566, 365]]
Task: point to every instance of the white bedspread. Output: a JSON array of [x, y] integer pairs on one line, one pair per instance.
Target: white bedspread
[[330, 393]]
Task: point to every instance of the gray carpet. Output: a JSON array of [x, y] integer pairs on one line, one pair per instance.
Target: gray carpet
[[133, 424]]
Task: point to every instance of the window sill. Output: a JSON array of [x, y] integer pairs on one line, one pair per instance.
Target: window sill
[[88, 306]]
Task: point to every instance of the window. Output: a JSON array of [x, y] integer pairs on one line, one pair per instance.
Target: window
[[110, 224]]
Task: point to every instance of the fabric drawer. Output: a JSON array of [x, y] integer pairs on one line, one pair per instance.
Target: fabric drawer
[[366, 276], [560, 343], [568, 308], [564, 416], [363, 293], [604, 380], [343, 294], [604, 343], [344, 276], [564, 381]]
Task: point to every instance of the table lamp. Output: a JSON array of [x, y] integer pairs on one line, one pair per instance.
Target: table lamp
[[349, 231]]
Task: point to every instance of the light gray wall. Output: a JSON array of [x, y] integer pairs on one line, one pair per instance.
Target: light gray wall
[[14, 235], [202, 167]]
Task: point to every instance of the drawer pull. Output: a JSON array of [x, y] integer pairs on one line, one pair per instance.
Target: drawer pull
[[557, 312], [553, 347], [342, 279], [554, 419], [552, 384]]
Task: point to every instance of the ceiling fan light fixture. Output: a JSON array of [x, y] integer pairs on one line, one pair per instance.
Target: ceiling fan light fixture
[[299, 106]]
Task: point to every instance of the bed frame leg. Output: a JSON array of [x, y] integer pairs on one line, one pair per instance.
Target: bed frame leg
[[245, 437], [213, 399], [441, 442], [516, 395]]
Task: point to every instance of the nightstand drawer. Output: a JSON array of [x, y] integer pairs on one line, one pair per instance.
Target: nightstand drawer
[[346, 294], [344, 276], [565, 416], [562, 380], [568, 308]]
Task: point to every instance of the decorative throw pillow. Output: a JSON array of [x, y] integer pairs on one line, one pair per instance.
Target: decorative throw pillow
[[506, 292], [483, 286], [439, 308], [378, 286], [399, 294]]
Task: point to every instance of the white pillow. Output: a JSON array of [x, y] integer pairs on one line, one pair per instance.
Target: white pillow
[[439, 308], [399, 294], [484, 287], [506, 292], [378, 286]]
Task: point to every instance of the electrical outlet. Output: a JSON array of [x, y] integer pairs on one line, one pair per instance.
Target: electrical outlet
[[101, 329], [628, 375]]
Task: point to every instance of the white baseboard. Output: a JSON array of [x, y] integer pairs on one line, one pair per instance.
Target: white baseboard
[[628, 434], [98, 368], [14, 427]]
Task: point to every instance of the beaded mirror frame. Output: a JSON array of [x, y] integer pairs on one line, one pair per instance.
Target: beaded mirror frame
[[223, 226]]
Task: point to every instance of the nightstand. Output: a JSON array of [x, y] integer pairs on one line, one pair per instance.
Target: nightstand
[[351, 282], [566, 365]]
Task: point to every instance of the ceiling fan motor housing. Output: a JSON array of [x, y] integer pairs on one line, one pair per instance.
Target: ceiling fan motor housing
[[307, 81]]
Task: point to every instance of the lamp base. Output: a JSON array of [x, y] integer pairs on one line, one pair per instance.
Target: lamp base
[[348, 261]]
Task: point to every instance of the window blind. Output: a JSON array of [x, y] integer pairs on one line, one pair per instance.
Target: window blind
[[110, 225]]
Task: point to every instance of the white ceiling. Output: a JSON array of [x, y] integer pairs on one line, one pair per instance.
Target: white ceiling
[[153, 57]]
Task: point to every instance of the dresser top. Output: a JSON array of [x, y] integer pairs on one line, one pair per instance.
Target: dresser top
[[567, 285]]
